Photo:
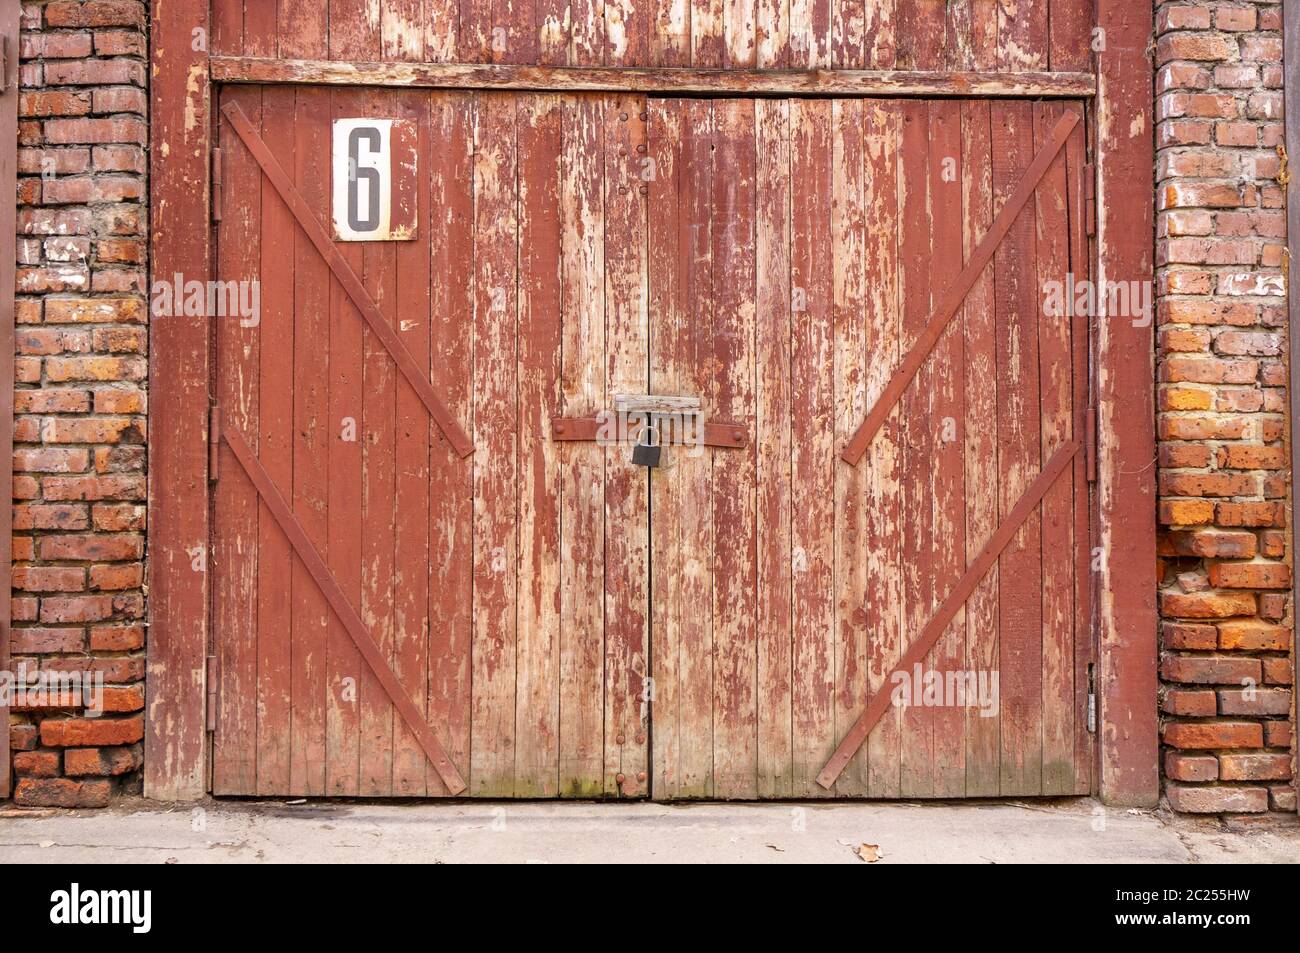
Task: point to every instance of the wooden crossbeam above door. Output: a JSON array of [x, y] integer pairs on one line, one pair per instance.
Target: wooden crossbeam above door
[[659, 80], [333, 593], [415, 376]]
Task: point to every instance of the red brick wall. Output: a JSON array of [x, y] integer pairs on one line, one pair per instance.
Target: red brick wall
[[1226, 635], [79, 454]]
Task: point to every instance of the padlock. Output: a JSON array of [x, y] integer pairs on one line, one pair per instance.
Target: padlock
[[647, 453]]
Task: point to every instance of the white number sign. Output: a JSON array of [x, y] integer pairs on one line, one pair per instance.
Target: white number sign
[[374, 165]]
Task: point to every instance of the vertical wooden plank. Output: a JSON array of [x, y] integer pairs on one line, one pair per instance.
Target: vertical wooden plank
[[879, 39], [350, 682], [813, 443], [773, 34], [537, 707], [441, 30], [412, 503], [851, 556], [227, 27], [708, 36], [583, 478], [694, 353], [378, 426], [1070, 38], [627, 500], [669, 314], [474, 32], [553, 32], [919, 438], [175, 741], [311, 428], [959, 49], [260, 29], [1056, 382], [983, 747], [354, 30], [515, 31], [450, 218], [492, 753], [921, 33], [1126, 663], [882, 599], [586, 33], [810, 34], [848, 33], [1022, 35], [1020, 566], [304, 29], [628, 32], [402, 29], [735, 765], [275, 451], [1080, 348], [772, 397], [947, 479], [235, 502], [740, 33], [984, 34]]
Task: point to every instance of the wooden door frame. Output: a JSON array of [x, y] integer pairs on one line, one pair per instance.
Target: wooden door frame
[[181, 129]]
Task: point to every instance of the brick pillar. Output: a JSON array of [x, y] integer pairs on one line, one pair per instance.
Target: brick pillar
[[1226, 635], [79, 458]]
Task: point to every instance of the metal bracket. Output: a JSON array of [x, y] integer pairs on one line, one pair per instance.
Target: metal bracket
[[211, 679]]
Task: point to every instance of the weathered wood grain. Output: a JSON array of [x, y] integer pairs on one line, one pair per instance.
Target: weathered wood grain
[[582, 485], [983, 747], [882, 598], [276, 331], [812, 463], [235, 503], [775, 503], [540, 125], [492, 755], [627, 491]]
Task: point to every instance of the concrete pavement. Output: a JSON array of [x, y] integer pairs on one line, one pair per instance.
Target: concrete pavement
[[276, 831]]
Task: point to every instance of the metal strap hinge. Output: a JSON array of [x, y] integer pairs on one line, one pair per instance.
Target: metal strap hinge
[[214, 442], [1092, 702], [1090, 197], [1090, 445], [218, 193], [211, 678]]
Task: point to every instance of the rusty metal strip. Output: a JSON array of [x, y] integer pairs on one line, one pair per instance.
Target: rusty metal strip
[[417, 378], [329, 587], [724, 434], [956, 294], [919, 649]]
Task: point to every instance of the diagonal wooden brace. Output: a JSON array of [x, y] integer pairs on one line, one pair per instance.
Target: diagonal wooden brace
[[956, 294], [283, 184], [919, 649], [356, 629]]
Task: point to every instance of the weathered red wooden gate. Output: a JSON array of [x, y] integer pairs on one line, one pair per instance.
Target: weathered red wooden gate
[[543, 618]]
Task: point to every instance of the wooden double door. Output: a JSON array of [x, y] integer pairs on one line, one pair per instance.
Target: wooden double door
[[545, 618]]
